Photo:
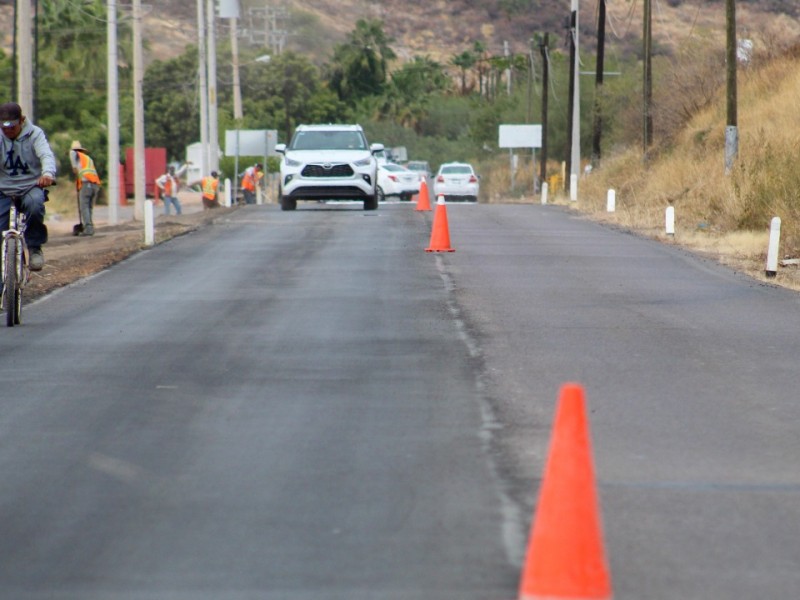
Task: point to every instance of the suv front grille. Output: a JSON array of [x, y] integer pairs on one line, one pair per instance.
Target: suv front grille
[[340, 170]]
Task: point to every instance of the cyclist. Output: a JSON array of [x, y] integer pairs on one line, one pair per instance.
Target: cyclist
[[28, 166]]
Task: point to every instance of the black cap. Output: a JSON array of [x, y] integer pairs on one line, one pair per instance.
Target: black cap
[[10, 111]]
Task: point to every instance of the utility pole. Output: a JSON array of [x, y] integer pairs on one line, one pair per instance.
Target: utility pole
[[506, 54], [574, 118], [24, 45], [203, 82], [213, 133], [238, 114], [229, 9], [543, 48], [112, 107], [731, 131], [139, 175], [529, 105], [598, 84], [647, 37]]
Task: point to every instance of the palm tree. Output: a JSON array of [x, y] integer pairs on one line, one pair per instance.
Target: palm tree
[[360, 65], [464, 61]]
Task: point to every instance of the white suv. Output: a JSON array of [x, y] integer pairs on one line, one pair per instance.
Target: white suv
[[328, 162]]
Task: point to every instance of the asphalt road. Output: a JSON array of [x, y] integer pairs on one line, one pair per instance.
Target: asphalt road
[[307, 405]]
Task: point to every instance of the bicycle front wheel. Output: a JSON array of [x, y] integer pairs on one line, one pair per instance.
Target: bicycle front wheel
[[11, 295]]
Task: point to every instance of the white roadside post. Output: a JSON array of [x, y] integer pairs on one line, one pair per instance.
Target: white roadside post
[[611, 201], [573, 187], [227, 200], [149, 224], [670, 220], [772, 252], [545, 189]]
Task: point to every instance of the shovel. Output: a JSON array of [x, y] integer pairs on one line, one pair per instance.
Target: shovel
[[78, 229]]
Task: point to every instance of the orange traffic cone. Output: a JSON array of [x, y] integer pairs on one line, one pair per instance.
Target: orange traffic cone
[[440, 234], [423, 201], [565, 557]]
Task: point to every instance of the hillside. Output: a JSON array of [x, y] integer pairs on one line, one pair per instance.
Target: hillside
[[442, 28]]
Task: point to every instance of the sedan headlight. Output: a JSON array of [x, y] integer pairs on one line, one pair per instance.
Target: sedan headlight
[[364, 162]]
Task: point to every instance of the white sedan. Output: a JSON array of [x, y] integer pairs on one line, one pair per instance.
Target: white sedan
[[396, 180], [456, 181]]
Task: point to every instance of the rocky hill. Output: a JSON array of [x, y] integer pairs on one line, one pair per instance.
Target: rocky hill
[[443, 28]]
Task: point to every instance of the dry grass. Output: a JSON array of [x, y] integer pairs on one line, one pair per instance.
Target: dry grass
[[724, 215]]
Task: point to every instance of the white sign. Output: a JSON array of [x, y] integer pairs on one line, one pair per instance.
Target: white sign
[[520, 136], [250, 142], [228, 9]]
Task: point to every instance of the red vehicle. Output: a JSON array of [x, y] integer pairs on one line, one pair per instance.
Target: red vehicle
[[155, 165]]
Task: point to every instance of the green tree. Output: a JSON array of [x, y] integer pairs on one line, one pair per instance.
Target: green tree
[[360, 65], [171, 113], [464, 61], [410, 89], [286, 92]]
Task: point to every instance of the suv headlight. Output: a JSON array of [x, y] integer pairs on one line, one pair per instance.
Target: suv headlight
[[290, 162], [364, 162]]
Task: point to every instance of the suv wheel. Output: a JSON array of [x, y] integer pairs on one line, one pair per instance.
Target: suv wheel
[[371, 203], [288, 203]]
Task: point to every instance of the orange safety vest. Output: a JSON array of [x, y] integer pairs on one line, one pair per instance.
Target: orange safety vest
[[248, 181], [169, 183], [210, 185], [87, 170]]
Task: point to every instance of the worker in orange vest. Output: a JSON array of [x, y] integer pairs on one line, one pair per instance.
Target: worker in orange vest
[[250, 178], [210, 187], [87, 182], [168, 185]]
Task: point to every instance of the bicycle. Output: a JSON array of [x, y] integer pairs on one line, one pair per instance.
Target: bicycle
[[14, 268]]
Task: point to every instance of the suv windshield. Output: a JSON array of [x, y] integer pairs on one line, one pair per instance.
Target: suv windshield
[[328, 140]]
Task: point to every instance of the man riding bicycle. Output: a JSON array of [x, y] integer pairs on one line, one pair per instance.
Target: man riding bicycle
[[28, 166]]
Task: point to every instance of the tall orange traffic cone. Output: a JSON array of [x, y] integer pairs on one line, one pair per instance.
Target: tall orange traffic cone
[[565, 557], [440, 234], [423, 201]]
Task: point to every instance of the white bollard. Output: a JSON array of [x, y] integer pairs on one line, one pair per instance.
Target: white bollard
[[611, 201], [573, 188], [774, 240], [670, 220], [149, 224], [544, 193], [227, 201]]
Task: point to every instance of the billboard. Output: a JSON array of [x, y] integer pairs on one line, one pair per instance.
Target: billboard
[[228, 9], [250, 142], [520, 136]]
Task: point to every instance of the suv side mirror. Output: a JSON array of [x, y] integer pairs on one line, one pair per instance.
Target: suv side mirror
[[375, 148], [280, 148]]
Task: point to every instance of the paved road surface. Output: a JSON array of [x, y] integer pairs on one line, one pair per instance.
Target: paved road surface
[[307, 405]]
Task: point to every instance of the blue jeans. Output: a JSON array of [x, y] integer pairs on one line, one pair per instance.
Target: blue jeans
[[33, 207], [171, 200]]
